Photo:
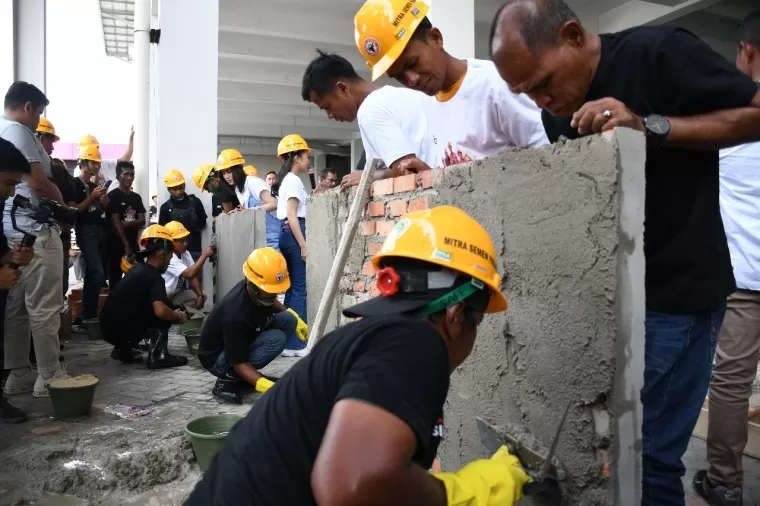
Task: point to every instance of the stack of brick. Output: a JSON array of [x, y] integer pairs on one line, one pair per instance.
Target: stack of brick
[[389, 200]]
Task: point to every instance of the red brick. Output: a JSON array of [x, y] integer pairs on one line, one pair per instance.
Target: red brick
[[373, 247], [375, 209], [368, 269], [418, 204], [384, 227], [359, 286], [382, 187], [368, 227], [426, 178], [397, 207], [405, 183], [373, 291]]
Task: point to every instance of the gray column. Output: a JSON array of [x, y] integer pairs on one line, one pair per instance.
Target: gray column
[[29, 42]]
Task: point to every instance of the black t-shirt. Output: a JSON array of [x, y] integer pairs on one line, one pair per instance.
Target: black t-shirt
[[94, 214], [128, 206], [668, 71], [232, 326], [128, 310], [179, 210], [398, 364], [227, 195]]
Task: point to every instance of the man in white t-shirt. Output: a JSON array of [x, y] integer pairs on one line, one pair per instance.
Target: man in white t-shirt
[[107, 167], [183, 269], [392, 121], [736, 356], [476, 115]]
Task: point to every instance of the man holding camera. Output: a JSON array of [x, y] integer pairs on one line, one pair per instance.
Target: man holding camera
[[34, 303]]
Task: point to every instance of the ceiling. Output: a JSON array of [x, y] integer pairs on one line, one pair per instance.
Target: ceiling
[[264, 48]]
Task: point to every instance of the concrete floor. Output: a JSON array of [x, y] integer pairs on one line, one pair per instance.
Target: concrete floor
[[105, 460]]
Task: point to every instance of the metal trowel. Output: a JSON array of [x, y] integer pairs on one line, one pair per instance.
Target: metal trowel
[[541, 467]]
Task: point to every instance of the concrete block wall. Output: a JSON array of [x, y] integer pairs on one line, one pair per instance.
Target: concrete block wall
[[237, 235], [567, 223]]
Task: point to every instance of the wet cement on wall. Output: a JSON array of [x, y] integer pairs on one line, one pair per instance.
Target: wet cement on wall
[[567, 223], [237, 235]]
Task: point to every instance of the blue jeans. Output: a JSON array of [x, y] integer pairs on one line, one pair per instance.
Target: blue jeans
[[272, 223], [91, 240], [295, 297], [265, 347], [678, 365]]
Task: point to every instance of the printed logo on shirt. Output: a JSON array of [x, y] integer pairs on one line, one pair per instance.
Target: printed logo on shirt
[[371, 46], [130, 214], [438, 429], [455, 157]]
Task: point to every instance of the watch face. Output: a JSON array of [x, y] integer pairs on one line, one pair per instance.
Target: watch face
[[658, 125]]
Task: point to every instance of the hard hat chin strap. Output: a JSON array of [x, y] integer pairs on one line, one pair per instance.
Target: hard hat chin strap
[[455, 296]]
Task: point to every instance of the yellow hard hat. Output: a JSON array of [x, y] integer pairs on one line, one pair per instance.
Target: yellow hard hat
[[155, 232], [449, 237], [229, 158], [46, 127], [126, 264], [200, 175], [154, 195], [251, 171], [91, 153], [88, 140], [291, 143], [173, 178], [266, 268], [177, 230], [383, 28]]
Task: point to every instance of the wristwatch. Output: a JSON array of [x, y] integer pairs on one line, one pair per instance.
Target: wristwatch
[[658, 129]]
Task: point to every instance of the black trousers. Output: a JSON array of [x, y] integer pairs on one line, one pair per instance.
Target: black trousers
[[128, 338]]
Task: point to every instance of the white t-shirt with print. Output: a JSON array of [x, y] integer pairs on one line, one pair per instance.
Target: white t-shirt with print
[[482, 118], [253, 186], [291, 187], [740, 210], [393, 124], [173, 274]]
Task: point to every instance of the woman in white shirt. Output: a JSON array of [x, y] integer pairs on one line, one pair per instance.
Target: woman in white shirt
[[291, 210], [252, 192]]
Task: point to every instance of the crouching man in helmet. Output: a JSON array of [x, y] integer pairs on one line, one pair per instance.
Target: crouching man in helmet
[[249, 327], [138, 307], [359, 420]]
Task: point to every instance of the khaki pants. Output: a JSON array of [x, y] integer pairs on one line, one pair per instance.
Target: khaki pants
[[186, 298], [34, 304], [735, 369]]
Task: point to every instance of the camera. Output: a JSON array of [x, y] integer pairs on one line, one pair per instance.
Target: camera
[[47, 210]]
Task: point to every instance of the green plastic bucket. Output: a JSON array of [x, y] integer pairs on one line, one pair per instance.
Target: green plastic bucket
[[207, 435], [193, 340], [92, 326], [72, 397], [191, 324]]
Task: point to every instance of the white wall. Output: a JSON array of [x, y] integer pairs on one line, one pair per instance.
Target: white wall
[[89, 93]]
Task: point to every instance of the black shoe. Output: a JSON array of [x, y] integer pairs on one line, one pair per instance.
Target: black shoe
[[9, 413], [158, 355], [716, 495], [141, 347], [126, 356], [227, 389]]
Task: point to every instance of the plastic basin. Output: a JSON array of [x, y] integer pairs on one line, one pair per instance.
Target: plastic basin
[[193, 340], [72, 397], [92, 326], [207, 435], [191, 324]]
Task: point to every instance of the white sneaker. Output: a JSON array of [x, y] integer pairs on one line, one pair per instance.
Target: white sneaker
[[20, 381], [295, 353], [288, 353], [40, 386]]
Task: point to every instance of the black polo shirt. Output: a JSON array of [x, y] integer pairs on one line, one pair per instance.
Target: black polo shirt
[[398, 364], [668, 71], [232, 326]]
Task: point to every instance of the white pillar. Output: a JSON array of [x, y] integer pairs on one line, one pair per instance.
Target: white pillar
[[456, 21], [187, 96], [357, 148], [141, 64], [29, 42]]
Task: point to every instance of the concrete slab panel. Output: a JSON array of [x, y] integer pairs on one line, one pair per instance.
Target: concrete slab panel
[[237, 234]]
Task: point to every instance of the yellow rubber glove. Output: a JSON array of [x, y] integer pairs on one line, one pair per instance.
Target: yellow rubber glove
[[263, 384], [497, 481], [302, 330]]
